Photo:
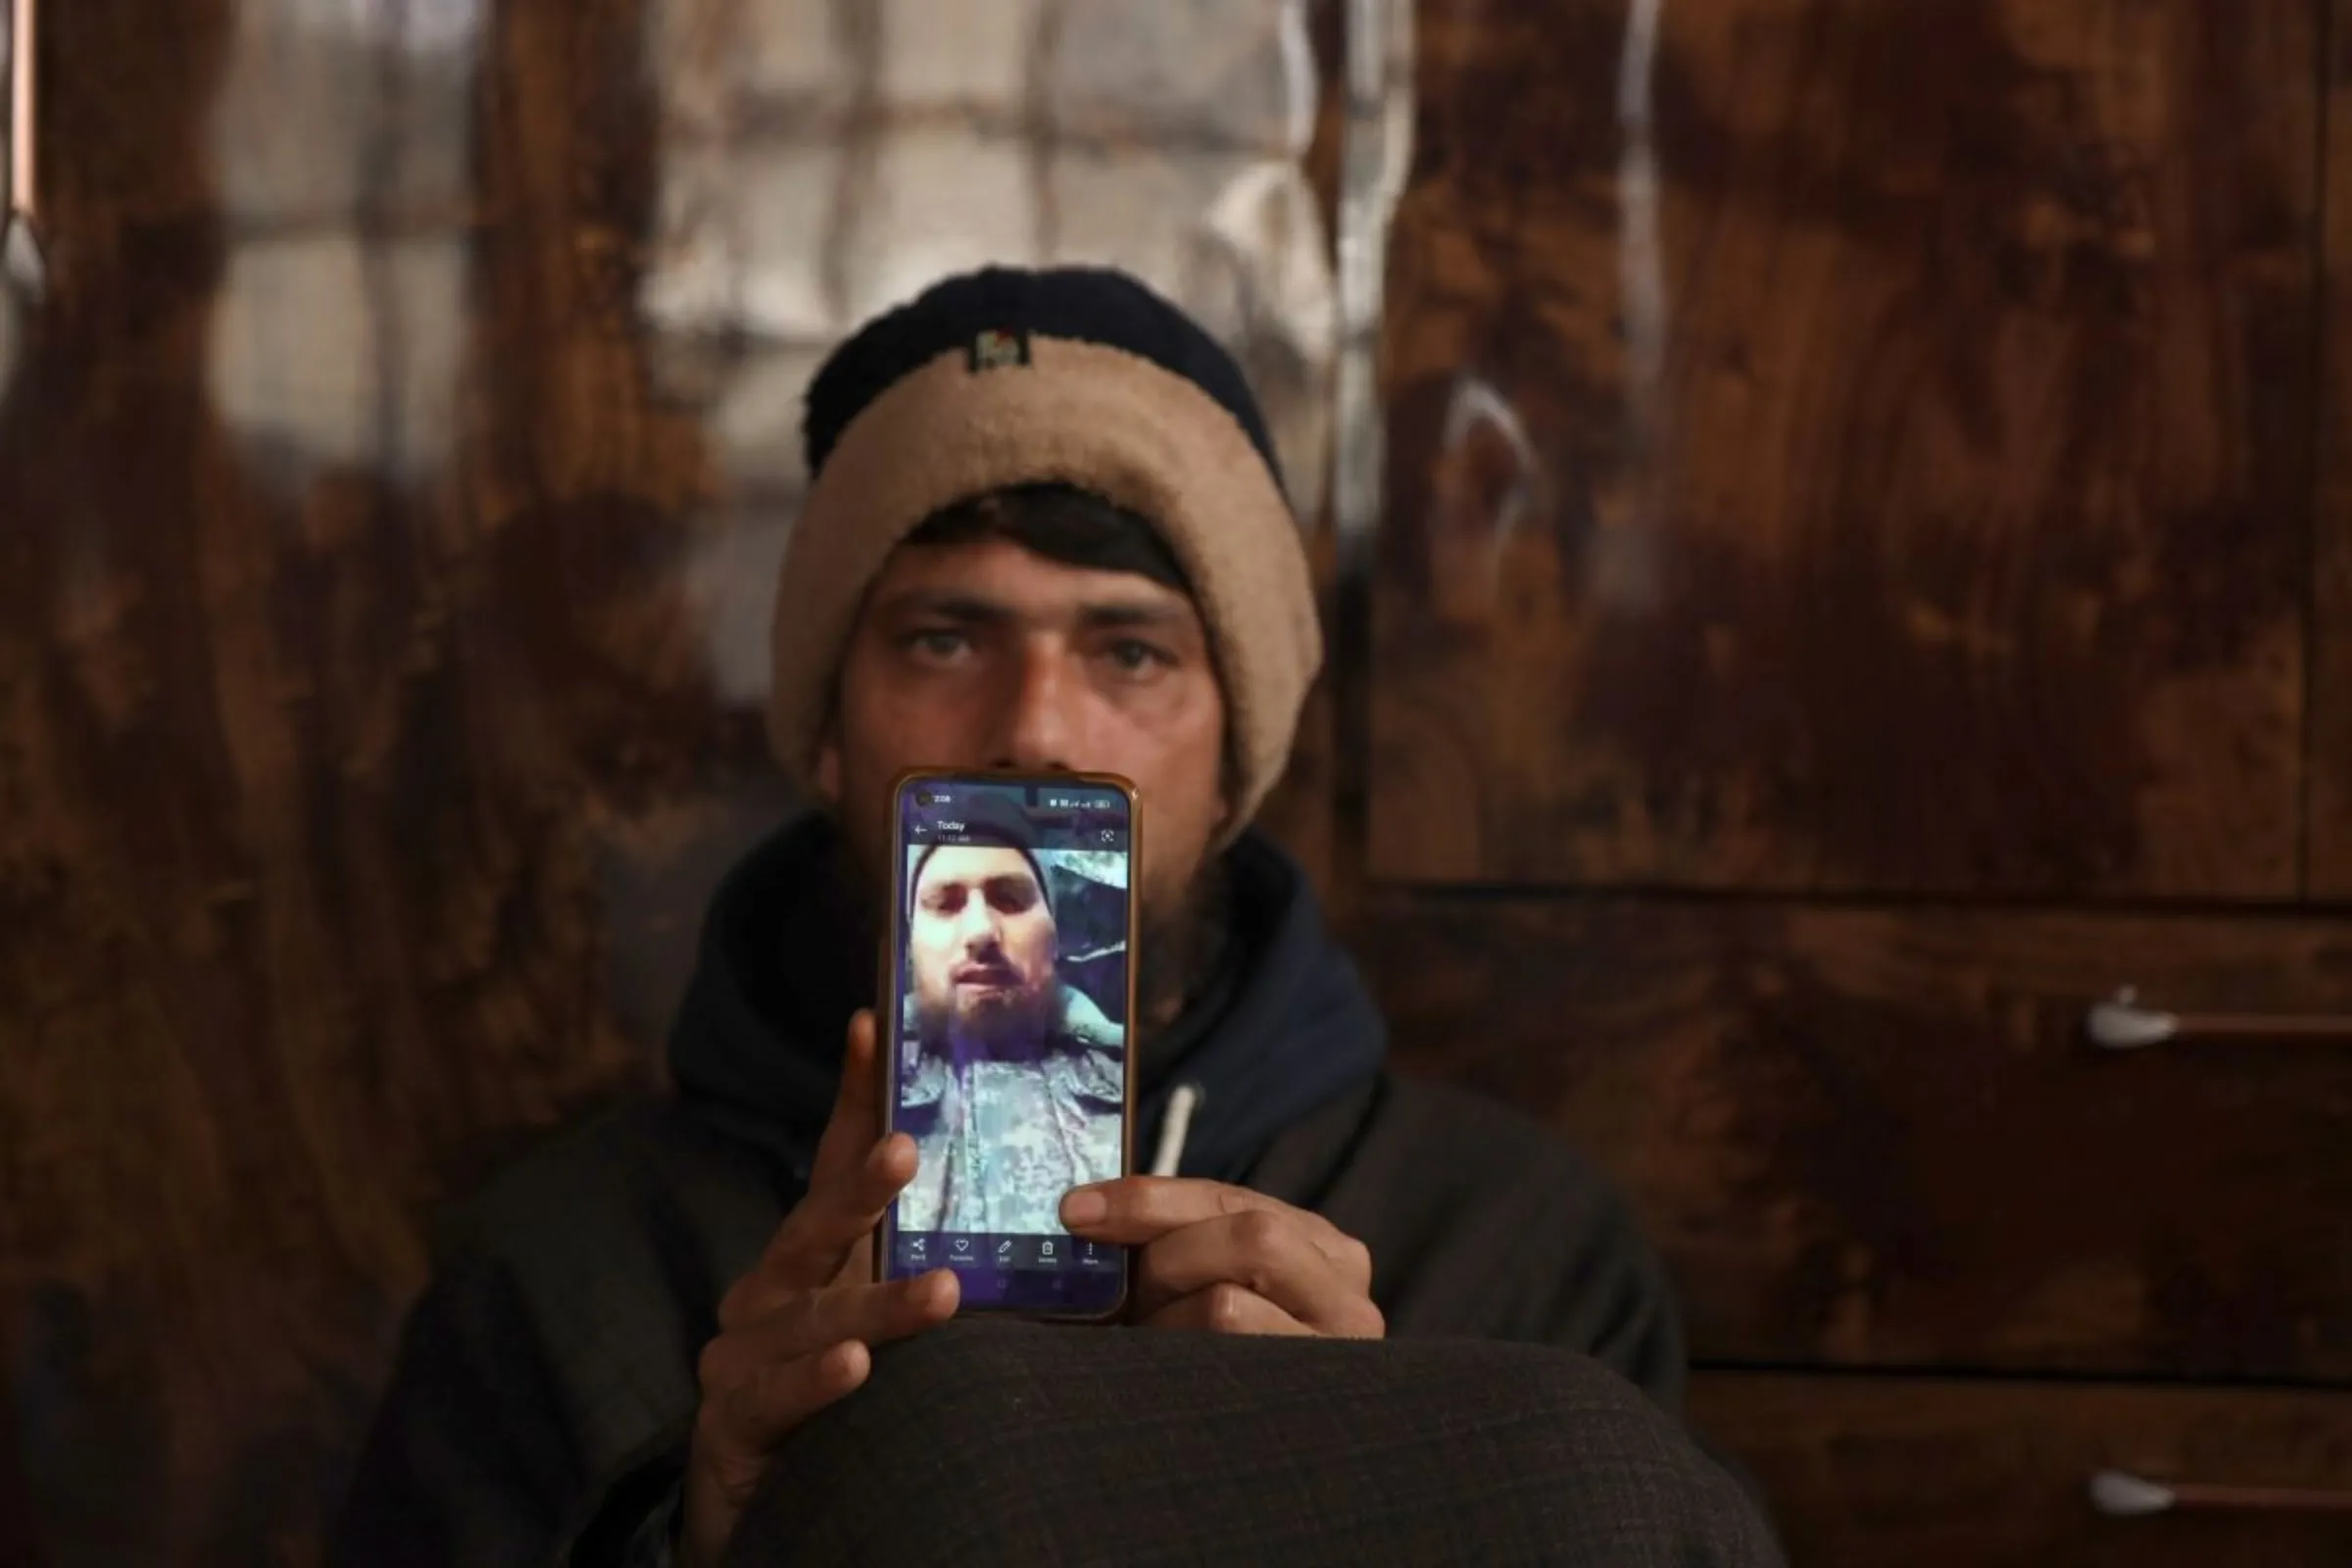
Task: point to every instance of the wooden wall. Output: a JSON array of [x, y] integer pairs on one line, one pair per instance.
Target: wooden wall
[[360, 753], [1863, 580], [1867, 571]]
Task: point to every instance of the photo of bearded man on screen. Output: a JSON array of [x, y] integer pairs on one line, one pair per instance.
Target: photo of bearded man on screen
[[1010, 1078]]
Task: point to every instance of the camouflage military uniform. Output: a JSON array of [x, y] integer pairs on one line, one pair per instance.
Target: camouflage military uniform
[[1001, 1141]]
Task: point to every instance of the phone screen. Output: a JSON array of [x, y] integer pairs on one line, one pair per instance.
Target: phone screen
[[1008, 1060]]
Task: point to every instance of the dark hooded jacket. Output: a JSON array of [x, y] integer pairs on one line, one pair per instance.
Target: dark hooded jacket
[[545, 1384]]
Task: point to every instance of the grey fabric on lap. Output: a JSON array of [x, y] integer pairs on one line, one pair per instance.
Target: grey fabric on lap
[[1006, 1442]]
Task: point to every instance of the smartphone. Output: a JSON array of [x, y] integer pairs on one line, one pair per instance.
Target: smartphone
[[1007, 1022]]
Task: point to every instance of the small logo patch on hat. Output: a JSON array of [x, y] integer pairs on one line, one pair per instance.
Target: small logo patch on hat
[[999, 351]]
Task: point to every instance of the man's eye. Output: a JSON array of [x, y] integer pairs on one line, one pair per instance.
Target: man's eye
[[938, 643], [1136, 656]]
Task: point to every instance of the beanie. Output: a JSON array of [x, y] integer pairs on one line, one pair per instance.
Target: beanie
[[1074, 375]]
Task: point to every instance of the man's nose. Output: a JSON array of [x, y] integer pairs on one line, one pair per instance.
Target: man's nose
[[978, 925], [1035, 728]]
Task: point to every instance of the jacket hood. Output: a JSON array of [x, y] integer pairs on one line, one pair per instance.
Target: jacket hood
[[1283, 1028]]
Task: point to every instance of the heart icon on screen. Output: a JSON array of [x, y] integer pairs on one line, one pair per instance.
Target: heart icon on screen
[[964, 1243]]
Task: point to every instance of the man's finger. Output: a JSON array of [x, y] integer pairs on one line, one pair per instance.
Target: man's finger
[[839, 1210], [850, 1182], [737, 1431], [1138, 1211], [1226, 1309], [841, 1207], [745, 1372], [1270, 1254], [855, 1123]]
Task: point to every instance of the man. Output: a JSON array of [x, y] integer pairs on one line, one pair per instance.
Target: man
[[1045, 530], [1004, 1055]]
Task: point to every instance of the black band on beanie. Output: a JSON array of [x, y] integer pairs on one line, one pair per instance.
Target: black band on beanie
[[991, 315]]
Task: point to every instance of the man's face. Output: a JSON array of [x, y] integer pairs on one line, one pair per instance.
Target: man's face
[[985, 656], [982, 945]]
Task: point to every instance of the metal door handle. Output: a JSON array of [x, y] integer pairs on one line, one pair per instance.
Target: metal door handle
[[2124, 1023], [2121, 1494], [20, 196]]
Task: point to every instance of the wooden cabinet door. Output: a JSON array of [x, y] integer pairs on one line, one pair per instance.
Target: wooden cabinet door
[[1840, 445], [1920, 1473], [1881, 1139]]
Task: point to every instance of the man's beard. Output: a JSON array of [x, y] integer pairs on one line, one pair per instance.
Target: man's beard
[[1014, 1028]]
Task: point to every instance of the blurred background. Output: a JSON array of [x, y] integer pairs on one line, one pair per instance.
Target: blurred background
[[1836, 517]]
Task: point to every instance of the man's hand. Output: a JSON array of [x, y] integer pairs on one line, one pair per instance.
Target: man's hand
[[1229, 1259], [796, 1333]]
